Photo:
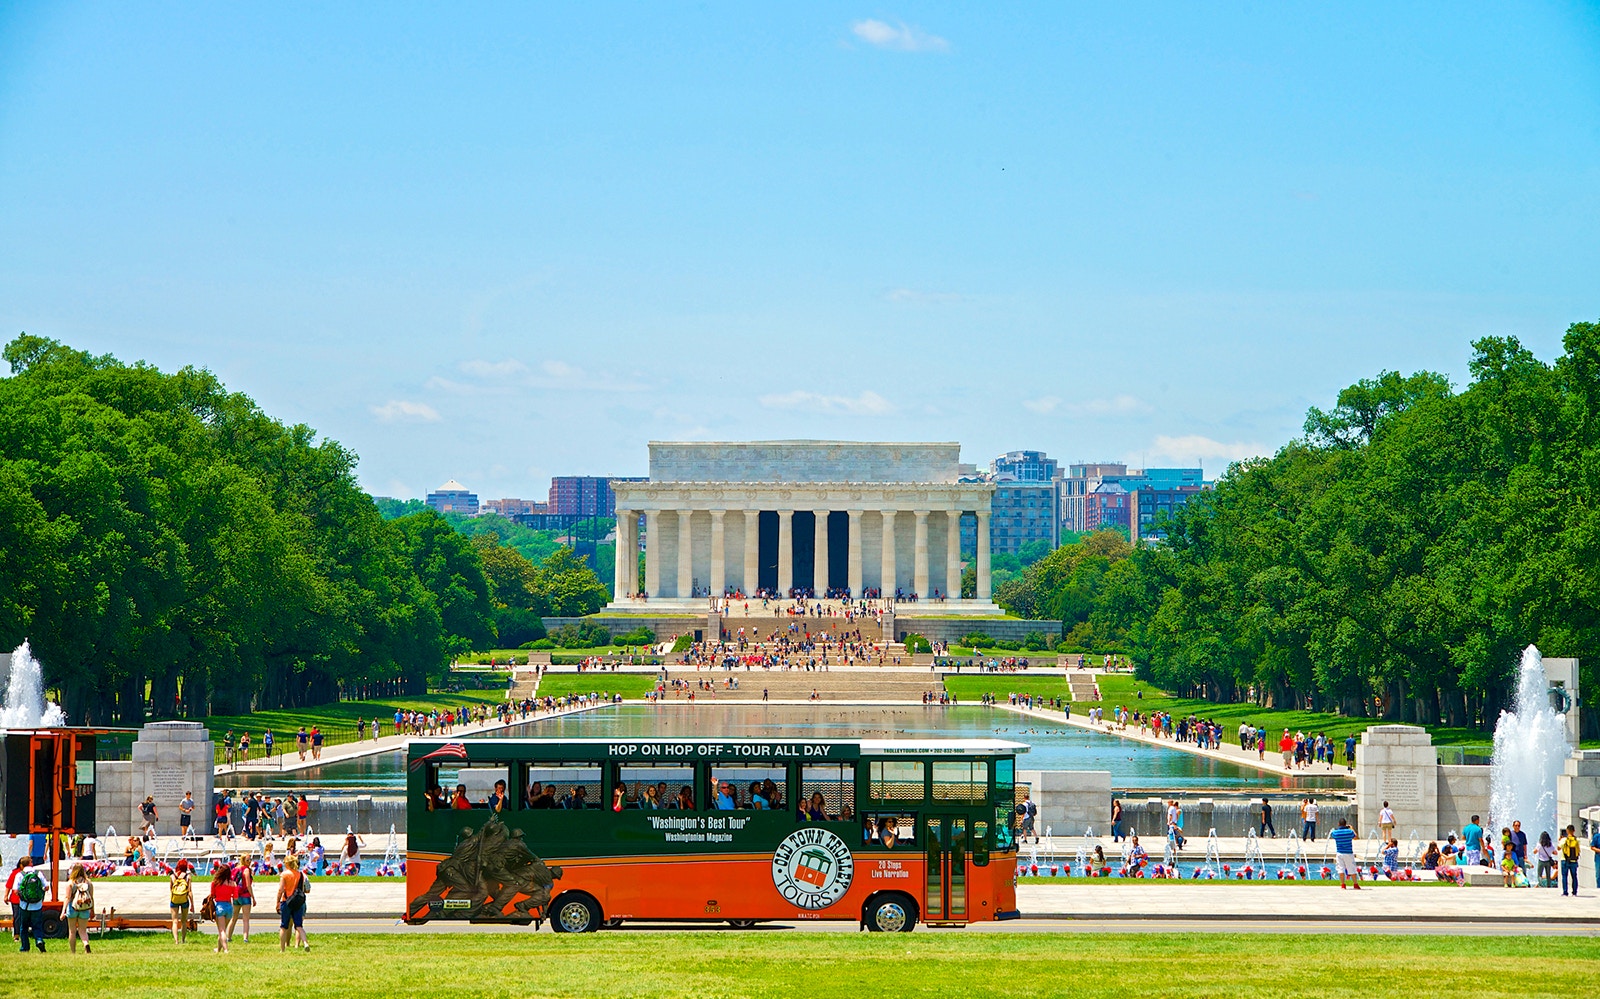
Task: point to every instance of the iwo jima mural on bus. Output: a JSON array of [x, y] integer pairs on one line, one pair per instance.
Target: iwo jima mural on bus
[[487, 869]]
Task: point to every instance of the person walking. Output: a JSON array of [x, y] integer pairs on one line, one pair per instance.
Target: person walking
[[1266, 820], [1569, 860], [12, 898], [28, 905], [1116, 821], [1344, 853], [80, 907], [292, 890], [244, 897], [1386, 822], [180, 894], [1308, 830]]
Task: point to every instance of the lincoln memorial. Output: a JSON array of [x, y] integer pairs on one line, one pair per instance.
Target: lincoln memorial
[[783, 517]]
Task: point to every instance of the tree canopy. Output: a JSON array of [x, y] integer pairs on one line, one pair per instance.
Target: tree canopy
[[170, 549]]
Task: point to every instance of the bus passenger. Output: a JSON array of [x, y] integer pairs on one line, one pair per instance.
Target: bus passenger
[[726, 800], [661, 794], [434, 799], [817, 810], [578, 799], [685, 800], [758, 799], [652, 801], [846, 812], [498, 800], [769, 791], [618, 794], [889, 831], [460, 799], [535, 792]]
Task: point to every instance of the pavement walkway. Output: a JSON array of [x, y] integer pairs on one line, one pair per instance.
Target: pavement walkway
[[1121, 900]]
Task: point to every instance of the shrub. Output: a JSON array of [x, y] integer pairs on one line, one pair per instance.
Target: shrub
[[541, 643], [1007, 644], [977, 640], [581, 636], [915, 643], [638, 636], [684, 641], [1034, 642]]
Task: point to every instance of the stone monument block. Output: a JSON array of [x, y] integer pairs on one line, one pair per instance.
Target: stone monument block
[[1396, 763]]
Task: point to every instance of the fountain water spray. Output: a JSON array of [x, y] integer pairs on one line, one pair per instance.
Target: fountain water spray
[[1530, 748], [25, 706]]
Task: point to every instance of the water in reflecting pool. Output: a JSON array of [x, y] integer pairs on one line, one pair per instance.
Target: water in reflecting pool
[[1134, 766]]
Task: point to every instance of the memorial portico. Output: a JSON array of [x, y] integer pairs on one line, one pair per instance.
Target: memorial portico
[[790, 516]]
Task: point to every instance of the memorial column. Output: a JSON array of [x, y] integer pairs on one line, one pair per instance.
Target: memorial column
[[952, 555], [889, 568], [785, 553], [685, 556], [853, 573], [819, 558], [983, 555], [652, 553], [718, 555], [919, 576], [752, 552], [619, 584]]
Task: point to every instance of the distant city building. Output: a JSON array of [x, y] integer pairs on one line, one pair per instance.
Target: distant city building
[[1154, 503], [511, 508], [453, 497], [1025, 466], [1108, 505], [584, 495], [1082, 481]]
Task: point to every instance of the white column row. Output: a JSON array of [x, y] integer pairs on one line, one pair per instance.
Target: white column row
[[626, 578]]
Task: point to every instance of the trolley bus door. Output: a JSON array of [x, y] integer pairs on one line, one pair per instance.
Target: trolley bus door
[[946, 900]]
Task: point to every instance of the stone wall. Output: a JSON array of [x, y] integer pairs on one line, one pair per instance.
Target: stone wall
[[169, 758], [952, 630], [803, 461], [331, 815], [1070, 800], [1463, 791], [666, 627], [1578, 787]]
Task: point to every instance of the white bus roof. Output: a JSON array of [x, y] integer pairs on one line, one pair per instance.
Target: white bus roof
[[887, 747]]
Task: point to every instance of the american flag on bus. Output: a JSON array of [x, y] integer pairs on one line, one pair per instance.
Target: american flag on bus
[[448, 751]]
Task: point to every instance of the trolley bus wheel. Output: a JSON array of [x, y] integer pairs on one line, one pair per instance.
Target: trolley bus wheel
[[891, 913], [576, 913], [741, 924]]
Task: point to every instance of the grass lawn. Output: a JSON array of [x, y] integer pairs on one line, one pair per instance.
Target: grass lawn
[[969, 688], [818, 966], [339, 716], [630, 685]]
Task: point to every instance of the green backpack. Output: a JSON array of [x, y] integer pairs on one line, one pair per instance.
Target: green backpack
[[31, 888]]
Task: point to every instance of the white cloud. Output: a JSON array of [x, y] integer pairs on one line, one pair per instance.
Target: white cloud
[[866, 404], [494, 369], [901, 36], [1043, 405], [561, 369], [396, 410], [1194, 446]]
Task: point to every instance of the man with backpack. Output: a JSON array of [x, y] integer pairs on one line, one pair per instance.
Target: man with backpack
[[27, 905]]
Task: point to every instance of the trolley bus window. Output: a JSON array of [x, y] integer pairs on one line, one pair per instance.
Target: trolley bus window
[[654, 788], [963, 780], [889, 829], [980, 843], [836, 782], [747, 787], [897, 780], [462, 787], [564, 785]]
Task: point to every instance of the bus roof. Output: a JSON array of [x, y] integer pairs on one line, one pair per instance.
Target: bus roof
[[633, 746]]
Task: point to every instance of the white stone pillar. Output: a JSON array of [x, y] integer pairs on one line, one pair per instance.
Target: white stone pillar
[[853, 568], [719, 573], [819, 557], [983, 555], [952, 555], [919, 572], [685, 555], [752, 551], [785, 552], [652, 553], [889, 568], [619, 581]]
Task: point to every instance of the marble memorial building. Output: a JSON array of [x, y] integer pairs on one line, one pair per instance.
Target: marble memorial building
[[780, 516]]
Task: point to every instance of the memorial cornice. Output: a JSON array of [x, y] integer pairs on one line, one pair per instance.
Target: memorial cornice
[[844, 496]]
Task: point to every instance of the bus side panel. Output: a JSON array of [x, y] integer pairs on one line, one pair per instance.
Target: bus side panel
[[992, 888]]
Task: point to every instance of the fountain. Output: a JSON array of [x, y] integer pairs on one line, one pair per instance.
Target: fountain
[[1530, 748], [25, 706]]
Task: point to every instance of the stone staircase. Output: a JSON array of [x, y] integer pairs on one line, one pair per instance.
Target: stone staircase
[[764, 626], [859, 684], [1083, 686]]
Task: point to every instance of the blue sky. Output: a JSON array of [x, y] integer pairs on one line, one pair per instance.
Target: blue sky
[[501, 243]]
